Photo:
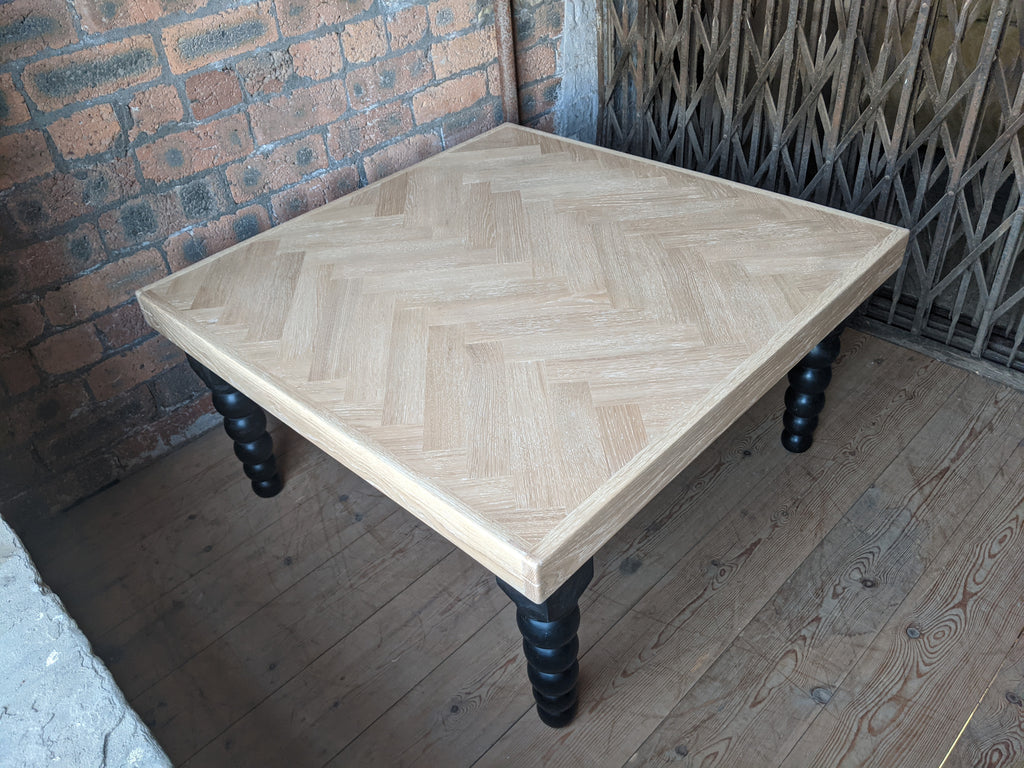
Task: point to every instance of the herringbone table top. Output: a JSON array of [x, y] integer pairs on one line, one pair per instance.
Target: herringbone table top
[[522, 339]]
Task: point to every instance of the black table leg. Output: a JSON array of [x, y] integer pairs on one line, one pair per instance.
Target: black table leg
[[805, 396], [551, 645], [246, 424]]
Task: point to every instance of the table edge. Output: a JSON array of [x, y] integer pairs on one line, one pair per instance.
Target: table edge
[[561, 552], [537, 570]]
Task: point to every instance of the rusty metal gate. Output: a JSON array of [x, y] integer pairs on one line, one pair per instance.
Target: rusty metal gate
[[912, 113]]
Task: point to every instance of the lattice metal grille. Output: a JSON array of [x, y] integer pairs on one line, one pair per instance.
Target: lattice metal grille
[[912, 113]]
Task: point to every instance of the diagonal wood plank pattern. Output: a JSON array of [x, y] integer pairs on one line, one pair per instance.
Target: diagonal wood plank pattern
[[523, 339]]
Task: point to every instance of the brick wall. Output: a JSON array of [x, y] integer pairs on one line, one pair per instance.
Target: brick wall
[[139, 136]]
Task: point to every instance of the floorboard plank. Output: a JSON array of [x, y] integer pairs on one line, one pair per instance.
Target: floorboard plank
[[159, 530], [233, 674], [994, 736], [899, 399], [324, 707], [328, 627], [906, 700], [245, 579], [755, 701]]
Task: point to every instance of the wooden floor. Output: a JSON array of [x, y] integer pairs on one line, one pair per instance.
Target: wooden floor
[[855, 605]]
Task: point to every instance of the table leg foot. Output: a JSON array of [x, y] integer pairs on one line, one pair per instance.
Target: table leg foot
[[805, 396], [551, 646], [246, 424]]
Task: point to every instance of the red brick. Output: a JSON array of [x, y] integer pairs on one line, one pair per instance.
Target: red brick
[[89, 131], [539, 98], [23, 156], [95, 429], [125, 370], [297, 111], [317, 58], [100, 290], [266, 72], [366, 130], [153, 108], [18, 373], [300, 16], [388, 79], [199, 242], [407, 27], [544, 123], [465, 52], [46, 408], [19, 324], [176, 386], [198, 42], [493, 79], [61, 197], [143, 219], [98, 70], [314, 193], [400, 155], [284, 165], [535, 63], [104, 15], [197, 149], [78, 478], [212, 92], [12, 106], [30, 26], [69, 350], [482, 116], [203, 199], [156, 438], [450, 16], [47, 263], [364, 41], [536, 20], [122, 326], [449, 97]]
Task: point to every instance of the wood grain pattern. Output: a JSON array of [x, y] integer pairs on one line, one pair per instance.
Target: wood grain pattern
[[436, 676], [994, 736], [399, 327], [931, 662], [257, 655], [343, 691], [702, 603], [794, 655], [200, 537]]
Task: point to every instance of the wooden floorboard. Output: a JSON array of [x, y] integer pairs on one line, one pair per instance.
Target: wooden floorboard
[[792, 658], [928, 666], [707, 598], [994, 735], [755, 613]]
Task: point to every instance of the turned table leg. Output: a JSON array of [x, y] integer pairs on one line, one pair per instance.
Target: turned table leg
[[551, 646], [246, 424], [805, 396]]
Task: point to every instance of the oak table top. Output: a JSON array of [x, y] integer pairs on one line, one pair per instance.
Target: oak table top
[[524, 338]]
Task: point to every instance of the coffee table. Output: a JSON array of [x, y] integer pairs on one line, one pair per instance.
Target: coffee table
[[521, 340]]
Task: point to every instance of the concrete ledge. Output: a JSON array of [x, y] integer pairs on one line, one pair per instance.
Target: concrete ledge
[[58, 702]]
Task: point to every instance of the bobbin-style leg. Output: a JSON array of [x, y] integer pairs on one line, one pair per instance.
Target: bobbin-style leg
[[551, 646], [805, 396], [246, 424]]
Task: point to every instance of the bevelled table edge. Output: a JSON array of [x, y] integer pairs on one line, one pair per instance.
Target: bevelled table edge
[[560, 554], [535, 570], [539, 570], [481, 540]]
